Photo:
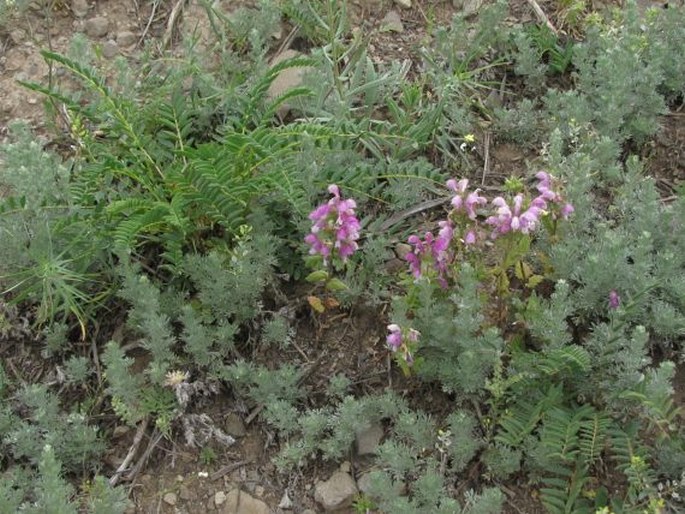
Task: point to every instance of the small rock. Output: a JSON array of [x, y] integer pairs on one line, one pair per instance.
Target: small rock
[[405, 4], [170, 499], [120, 431], [239, 502], [259, 491], [233, 425], [278, 33], [97, 27], [185, 493], [286, 80], [110, 49], [392, 22], [345, 467], [402, 249], [308, 511], [469, 7], [112, 460], [219, 498], [18, 36], [364, 483], [394, 266], [126, 38], [336, 493], [286, 503], [369, 439], [79, 8]]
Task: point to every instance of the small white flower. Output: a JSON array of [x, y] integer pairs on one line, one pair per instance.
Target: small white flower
[[176, 377]]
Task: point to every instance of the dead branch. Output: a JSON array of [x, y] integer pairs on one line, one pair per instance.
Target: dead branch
[[131, 452]]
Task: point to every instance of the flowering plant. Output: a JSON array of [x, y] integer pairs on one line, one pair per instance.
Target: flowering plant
[[473, 226], [332, 240], [403, 343], [511, 221], [335, 228]]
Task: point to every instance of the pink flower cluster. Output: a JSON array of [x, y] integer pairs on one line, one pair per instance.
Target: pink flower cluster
[[516, 219], [398, 341], [436, 253], [432, 251], [465, 202], [335, 228]]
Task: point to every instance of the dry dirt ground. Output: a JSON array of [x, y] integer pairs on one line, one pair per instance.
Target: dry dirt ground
[[184, 480]]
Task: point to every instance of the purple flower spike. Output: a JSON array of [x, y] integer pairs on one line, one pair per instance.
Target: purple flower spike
[[432, 250], [614, 299], [335, 228]]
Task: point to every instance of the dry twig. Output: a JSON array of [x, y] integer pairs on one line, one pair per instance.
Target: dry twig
[[171, 24], [486, 157], [226, 470], [149, 22], [542, 16], [114, 480]]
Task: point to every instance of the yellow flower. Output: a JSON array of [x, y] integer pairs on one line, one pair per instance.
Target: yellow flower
[[470, 138]]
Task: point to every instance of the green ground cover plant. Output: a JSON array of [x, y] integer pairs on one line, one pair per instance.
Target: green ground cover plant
[[549, 313]]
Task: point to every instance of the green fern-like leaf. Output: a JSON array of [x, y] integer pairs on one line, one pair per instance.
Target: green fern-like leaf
[[523, 418], [593, 436]]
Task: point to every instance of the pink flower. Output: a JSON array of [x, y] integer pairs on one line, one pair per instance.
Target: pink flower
[[466, 202], [397, 340], [567, 210], [435, 251], [512, 219], [335, 228], [614, 299], [559, 207], [394, 338]]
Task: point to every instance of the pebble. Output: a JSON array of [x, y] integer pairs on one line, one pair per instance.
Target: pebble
[[219, 498], [79, 8], [170, 499], [185, 493], [405, 4], [126, 38], [364, 483], [18, 36], [286, 79], [336, 493], [120, 431], [369, 439], [392, 22], [233, 425], [469, 7], [286, 503], [97, 27], [238, 501], [110, 49]]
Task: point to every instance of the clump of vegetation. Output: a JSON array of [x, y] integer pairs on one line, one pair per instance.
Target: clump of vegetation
[[549, 314]]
